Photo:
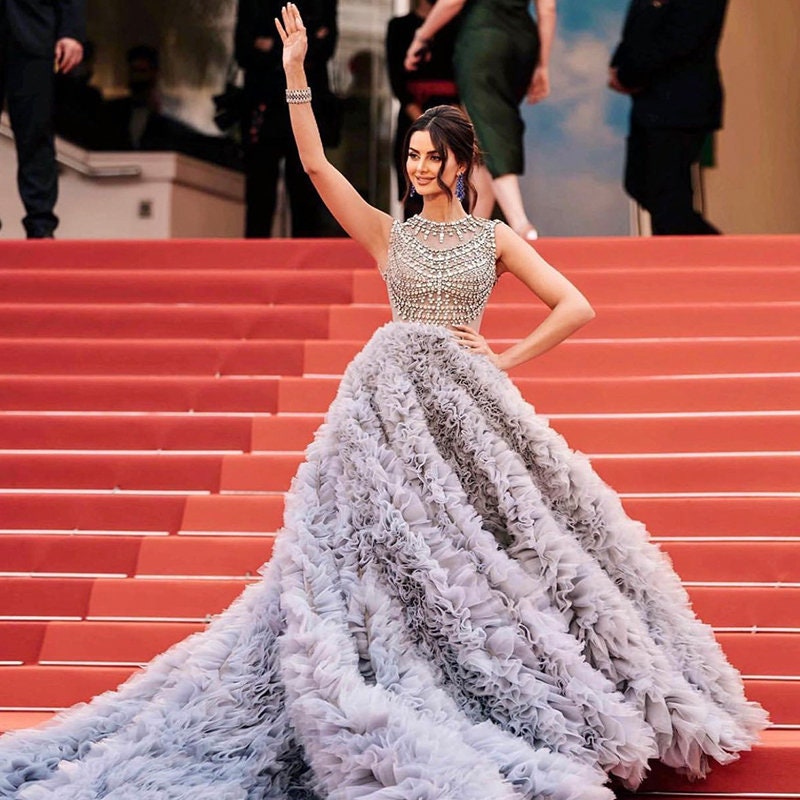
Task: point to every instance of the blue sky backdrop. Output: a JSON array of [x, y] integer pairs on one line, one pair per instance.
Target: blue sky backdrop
[[575, 140]]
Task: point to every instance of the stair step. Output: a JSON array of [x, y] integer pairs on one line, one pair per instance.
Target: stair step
[[113, 642], [145, 357], [112, 471], [580, 395], [147, 513], [138, 393], [698, 472], [654, 320], [721, 515], [770, 770], [627, 284], [175, 599], [248, 286], [598, 357], [131, 642], [43, 431], [147, 321], [61, 686], [597, 433], [192, 255], [773, 562]]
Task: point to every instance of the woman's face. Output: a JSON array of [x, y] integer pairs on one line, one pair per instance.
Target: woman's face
[[423, 164]]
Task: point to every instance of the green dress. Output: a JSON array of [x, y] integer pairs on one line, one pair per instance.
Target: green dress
[[496, 51]]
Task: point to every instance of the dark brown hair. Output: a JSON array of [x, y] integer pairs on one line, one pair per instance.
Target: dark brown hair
[[449, 129]]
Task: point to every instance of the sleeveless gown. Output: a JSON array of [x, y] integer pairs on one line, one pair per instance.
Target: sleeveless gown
[[457, 607]]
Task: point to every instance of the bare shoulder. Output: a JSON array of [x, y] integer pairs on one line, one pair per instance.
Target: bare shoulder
[[513, 253]]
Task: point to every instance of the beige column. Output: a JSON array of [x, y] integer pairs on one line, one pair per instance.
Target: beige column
[[755, 187]]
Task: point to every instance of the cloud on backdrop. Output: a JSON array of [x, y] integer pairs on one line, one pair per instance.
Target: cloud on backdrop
[[574, 140]]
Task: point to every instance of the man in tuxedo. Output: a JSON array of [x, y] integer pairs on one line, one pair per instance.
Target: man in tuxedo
[[267, 138], [667, 63], [37, 39]]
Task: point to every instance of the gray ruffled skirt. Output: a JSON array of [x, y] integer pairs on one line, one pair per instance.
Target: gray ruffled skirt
[[457, 607]]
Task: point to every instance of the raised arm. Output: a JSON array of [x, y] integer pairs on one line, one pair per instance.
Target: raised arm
[[570, 310], [369, 226]]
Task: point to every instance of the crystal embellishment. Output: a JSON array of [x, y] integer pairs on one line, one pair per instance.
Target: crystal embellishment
[[441, 273]]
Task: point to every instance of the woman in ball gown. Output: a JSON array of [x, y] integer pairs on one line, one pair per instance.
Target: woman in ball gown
[[457, 606], [501, 57]]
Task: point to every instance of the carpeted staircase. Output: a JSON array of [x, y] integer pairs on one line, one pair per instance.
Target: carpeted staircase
[[155, 399]]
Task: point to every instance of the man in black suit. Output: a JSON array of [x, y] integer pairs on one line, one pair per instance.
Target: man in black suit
[[37, 38], [667, 62], [266, 130]]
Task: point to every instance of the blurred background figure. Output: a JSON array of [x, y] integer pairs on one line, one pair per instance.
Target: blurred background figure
[[32, 34], [431, 83], [667, 62], [266, 133], [501, 56]]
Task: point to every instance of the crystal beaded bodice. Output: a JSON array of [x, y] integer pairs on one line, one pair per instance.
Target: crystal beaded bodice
[[441, 273]]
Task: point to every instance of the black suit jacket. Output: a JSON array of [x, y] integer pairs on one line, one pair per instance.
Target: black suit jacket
[[36, 25], [668, 53]]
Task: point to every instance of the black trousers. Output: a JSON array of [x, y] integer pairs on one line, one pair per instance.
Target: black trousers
[[658, 176], [27, 84], [262, 162]]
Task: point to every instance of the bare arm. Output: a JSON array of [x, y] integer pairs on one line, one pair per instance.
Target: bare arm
[[546, 22], [570, 310], [369, 226], [443, 12]]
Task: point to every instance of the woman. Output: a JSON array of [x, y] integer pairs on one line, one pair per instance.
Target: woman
[[501, 56], [457, 607]]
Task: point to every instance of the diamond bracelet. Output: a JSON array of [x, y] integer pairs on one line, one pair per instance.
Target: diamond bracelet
[[298, 95]]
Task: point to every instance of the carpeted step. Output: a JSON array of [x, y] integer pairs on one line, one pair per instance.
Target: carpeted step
[[770, 770], [685, 515], [256, 394], [582, 395], [747, 606], [192, 255], [694, 472], [622, 321], [144, 513], [197, 254], [21, 641], [262, 287], [757, 653], [630, 285], [231, 556], [753, 653], [151, 513], [112, 471], [173, 357], [138, 393], [56, 687], [227, 556], [111, 642], [167, 321], [17, 720], [176, 599], [117, 555], [599, 357], [597, 433], [54, 431], [754, 561]]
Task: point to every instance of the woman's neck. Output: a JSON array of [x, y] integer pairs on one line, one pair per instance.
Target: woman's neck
[[443, 210]]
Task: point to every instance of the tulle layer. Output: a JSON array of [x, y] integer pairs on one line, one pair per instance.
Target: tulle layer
[[457, 607]]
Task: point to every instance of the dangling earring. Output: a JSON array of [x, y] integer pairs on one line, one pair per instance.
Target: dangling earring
[[460, 189], [412, 191]]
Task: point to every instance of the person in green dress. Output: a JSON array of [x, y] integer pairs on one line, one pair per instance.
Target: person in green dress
[[501, 57]]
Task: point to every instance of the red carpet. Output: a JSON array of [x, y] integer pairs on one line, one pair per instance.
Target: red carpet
[[155, 399]]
